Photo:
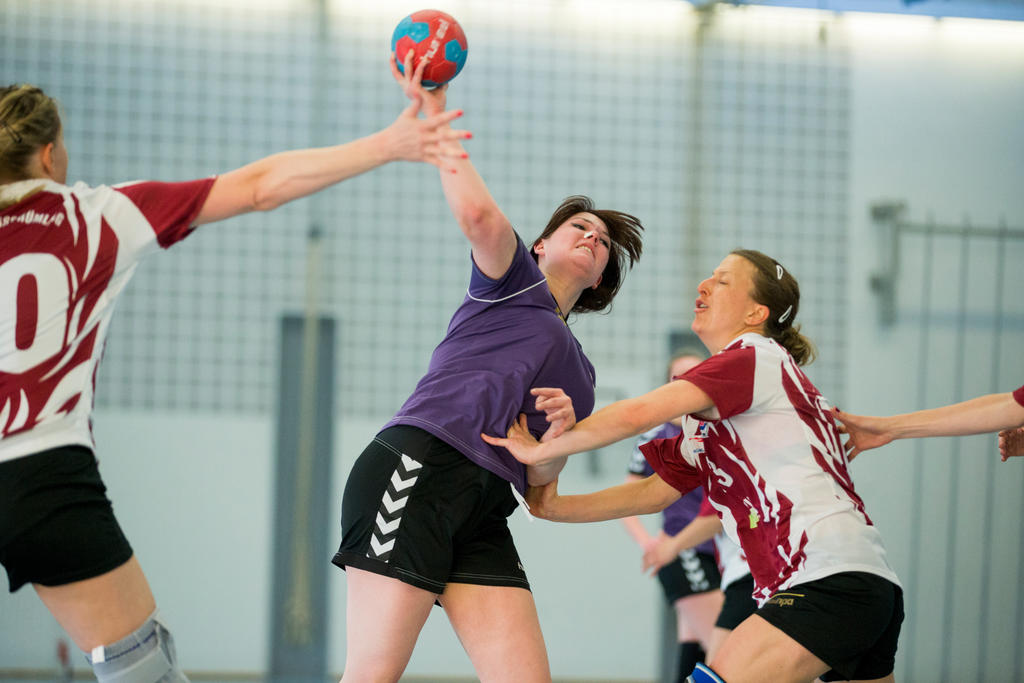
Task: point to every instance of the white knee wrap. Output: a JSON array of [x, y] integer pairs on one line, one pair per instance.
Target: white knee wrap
[[144, 656]]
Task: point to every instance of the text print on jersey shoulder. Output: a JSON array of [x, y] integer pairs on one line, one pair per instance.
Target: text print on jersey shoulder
[[31, 216]]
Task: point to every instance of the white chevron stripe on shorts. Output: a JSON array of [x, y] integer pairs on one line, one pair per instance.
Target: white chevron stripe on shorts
[[389, 515], [694, 570]]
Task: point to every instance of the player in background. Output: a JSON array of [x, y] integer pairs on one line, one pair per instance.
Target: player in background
[[737, 584], [690, 578], [66, 252]]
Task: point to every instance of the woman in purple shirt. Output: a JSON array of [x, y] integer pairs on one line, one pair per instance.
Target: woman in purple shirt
[[425, 506]]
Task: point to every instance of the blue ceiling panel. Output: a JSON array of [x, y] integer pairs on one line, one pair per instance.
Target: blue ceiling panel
[[1010, 10]]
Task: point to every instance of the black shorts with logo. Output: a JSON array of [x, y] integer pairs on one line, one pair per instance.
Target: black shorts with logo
[[57, 525], [419, 511], [691, 573], [851, 621]]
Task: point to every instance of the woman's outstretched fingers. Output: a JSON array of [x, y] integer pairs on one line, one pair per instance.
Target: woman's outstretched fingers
[[438, 120], [494, 440], [1011, 443], [417, 76], [519, 442], [398, 75], [446, 135], [558, 410]]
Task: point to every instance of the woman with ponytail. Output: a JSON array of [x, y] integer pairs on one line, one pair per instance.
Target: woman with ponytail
[[760, 439]]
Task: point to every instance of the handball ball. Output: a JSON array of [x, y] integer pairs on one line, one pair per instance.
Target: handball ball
[[431, 33]]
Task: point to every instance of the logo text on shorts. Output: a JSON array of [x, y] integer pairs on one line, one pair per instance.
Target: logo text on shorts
[[784, 599]]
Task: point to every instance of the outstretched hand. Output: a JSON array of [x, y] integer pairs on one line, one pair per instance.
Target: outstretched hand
[[436, 143], [429, 140], [558, 411], [519, 442], [865, 432], [1011, 443], [411, 81], [659, 554]]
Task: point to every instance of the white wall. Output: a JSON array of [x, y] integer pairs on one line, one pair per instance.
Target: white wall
[[937, 120]]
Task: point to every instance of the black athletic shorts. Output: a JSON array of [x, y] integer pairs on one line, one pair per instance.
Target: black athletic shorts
[[851, 621], [56, 523], [419, 511], [691, 573], [739, 603]]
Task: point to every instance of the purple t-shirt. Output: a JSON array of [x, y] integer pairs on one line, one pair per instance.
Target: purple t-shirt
[[504, 339], [686, 509]]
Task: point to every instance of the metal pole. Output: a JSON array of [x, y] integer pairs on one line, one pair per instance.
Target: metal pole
[[988, 463], [299, 608], [954, 479], [917, 494]]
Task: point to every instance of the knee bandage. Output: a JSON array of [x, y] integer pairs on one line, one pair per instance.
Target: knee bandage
[[144, 656], [703, 674]]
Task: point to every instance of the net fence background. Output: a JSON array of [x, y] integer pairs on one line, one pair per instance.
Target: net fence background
[[561, 100]]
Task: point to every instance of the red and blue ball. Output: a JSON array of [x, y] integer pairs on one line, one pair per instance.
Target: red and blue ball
[[432, 33]]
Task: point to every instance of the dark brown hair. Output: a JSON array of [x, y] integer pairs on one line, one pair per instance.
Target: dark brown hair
[[29, 119], [777, 289], [624, 231]]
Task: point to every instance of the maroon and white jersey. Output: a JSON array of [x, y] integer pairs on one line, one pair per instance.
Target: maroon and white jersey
[[732, 563], [1018, 396], [65, 255], [774, 469]]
